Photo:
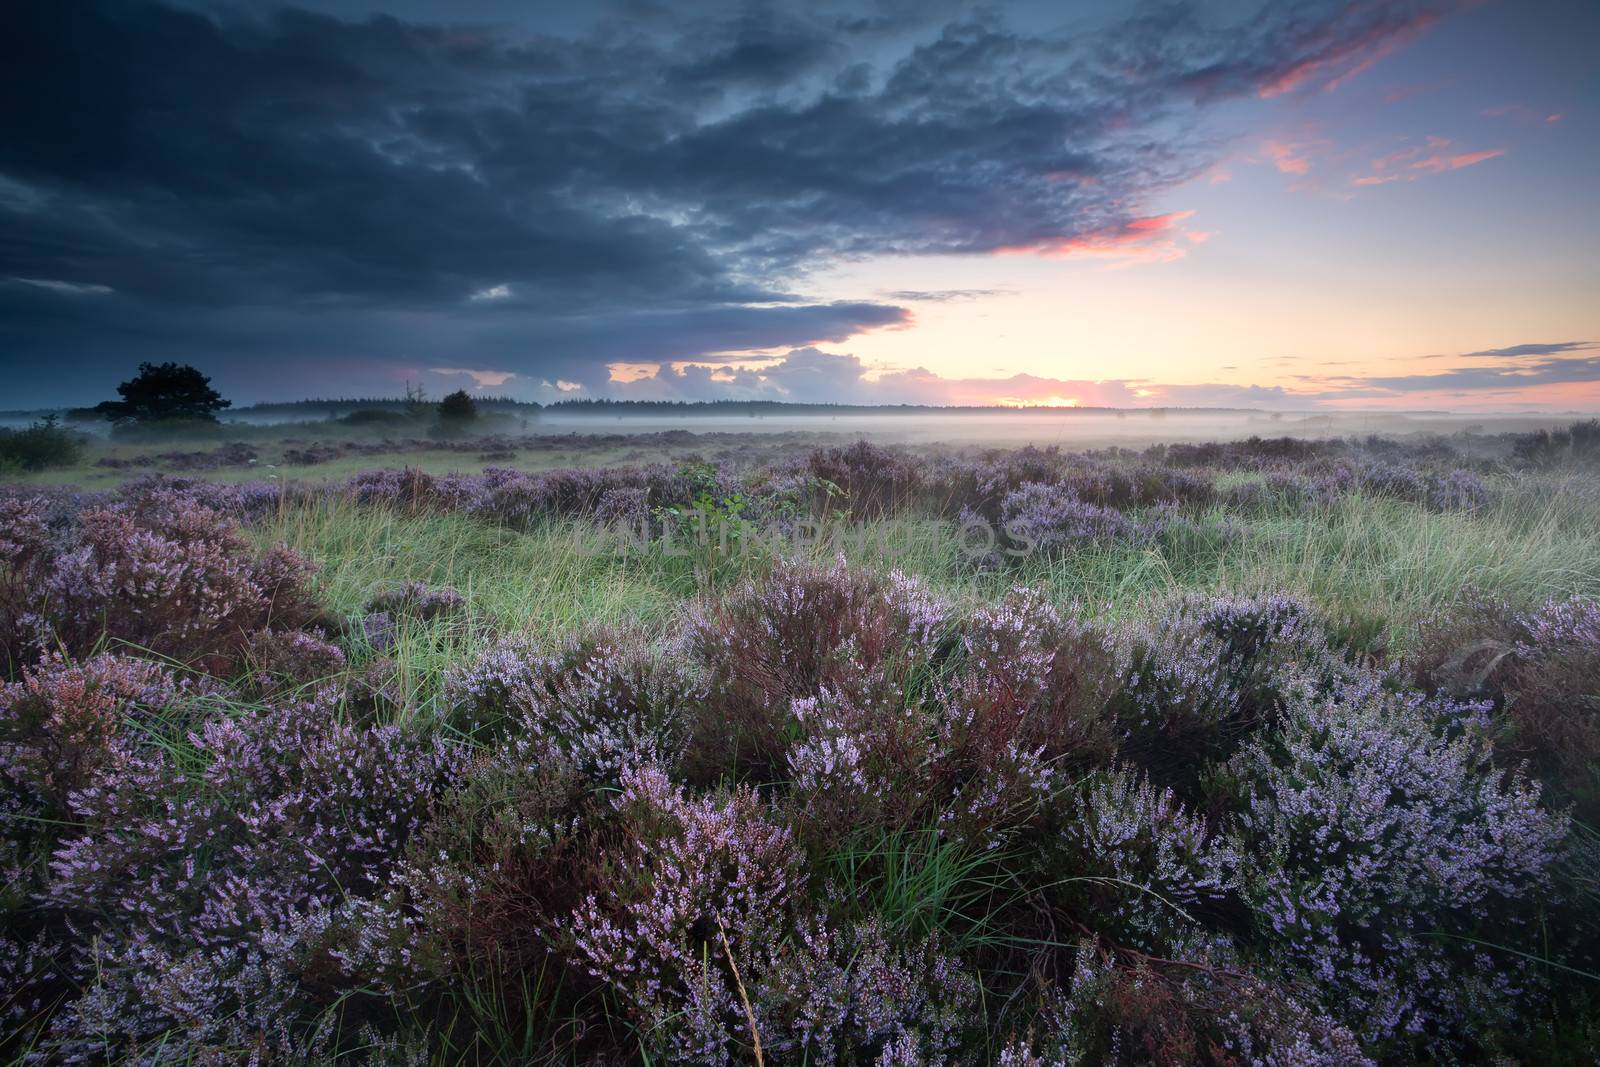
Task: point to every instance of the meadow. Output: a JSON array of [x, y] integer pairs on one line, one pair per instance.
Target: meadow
[[672, 747]]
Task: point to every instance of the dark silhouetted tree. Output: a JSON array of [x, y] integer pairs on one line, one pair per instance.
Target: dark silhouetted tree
[[458, 407], [162, 392]]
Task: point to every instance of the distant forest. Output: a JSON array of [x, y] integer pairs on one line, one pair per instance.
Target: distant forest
[[780, 407], [343, 405]]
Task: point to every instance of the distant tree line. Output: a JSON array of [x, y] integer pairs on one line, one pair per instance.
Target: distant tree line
[[602, 406], [345, 404]]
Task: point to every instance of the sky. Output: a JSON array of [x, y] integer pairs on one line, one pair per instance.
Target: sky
[[1297, 205]]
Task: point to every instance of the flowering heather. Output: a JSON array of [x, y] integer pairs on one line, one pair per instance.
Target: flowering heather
[[856, 764], [1053, 520], [854, 996], [694, 872], [190, 879], [1025, 702], [1373, 836], [1205, 673], [183, 583], [481, 695], [1121, 1011], [873, 481], [1540, 671], [803, 629], [978, 755], [608, 703], [1139, 863], [706, 910], [244, 501], [507, 858], [60, 724], [1129, 487], [977, 487]]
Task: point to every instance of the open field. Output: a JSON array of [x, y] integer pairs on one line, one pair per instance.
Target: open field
[[734, 746]]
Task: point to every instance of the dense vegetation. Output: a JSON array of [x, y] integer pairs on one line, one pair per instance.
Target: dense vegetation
[[39, 446], [1262, 752]]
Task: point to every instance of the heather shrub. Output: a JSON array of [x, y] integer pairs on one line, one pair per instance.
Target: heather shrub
[[1139, 865], [608, 703], [692, 873], [1025, 702], [856, 996], [490, 884], [60, 725], [278, 659], [1541, 671], [1555, 707], [872, 481], [977, 754], [151, 494], [1205, 674], [480, 697], [183, 583], [1253, 452], [1126, 487], [1457, 490], [408, 490], [1466, 652], [700, 933], [1379, 844], [857, 764], [193, 875], [1124, 1009], [977, 487], [27, 546], [1052, 520], [804, 628], [605, 700]]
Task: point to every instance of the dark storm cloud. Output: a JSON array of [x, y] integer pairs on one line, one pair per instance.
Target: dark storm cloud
[[651, 189]]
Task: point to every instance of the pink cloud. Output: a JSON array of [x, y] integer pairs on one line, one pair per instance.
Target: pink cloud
[[1437, 164], [1408, 164], [1348, 59], [1286, 157], [1152, 239]]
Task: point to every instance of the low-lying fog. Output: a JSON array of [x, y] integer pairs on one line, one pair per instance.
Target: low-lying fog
[[1070, 429]]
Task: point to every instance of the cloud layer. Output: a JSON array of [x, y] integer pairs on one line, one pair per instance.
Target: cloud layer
[[282, 192]]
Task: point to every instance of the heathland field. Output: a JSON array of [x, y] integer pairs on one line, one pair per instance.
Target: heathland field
[[790, 748]]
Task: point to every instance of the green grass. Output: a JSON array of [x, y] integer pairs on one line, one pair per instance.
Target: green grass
[[1365, 563]]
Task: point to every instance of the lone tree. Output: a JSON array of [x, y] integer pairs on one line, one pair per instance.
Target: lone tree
[[458, 407], [164, 392]]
